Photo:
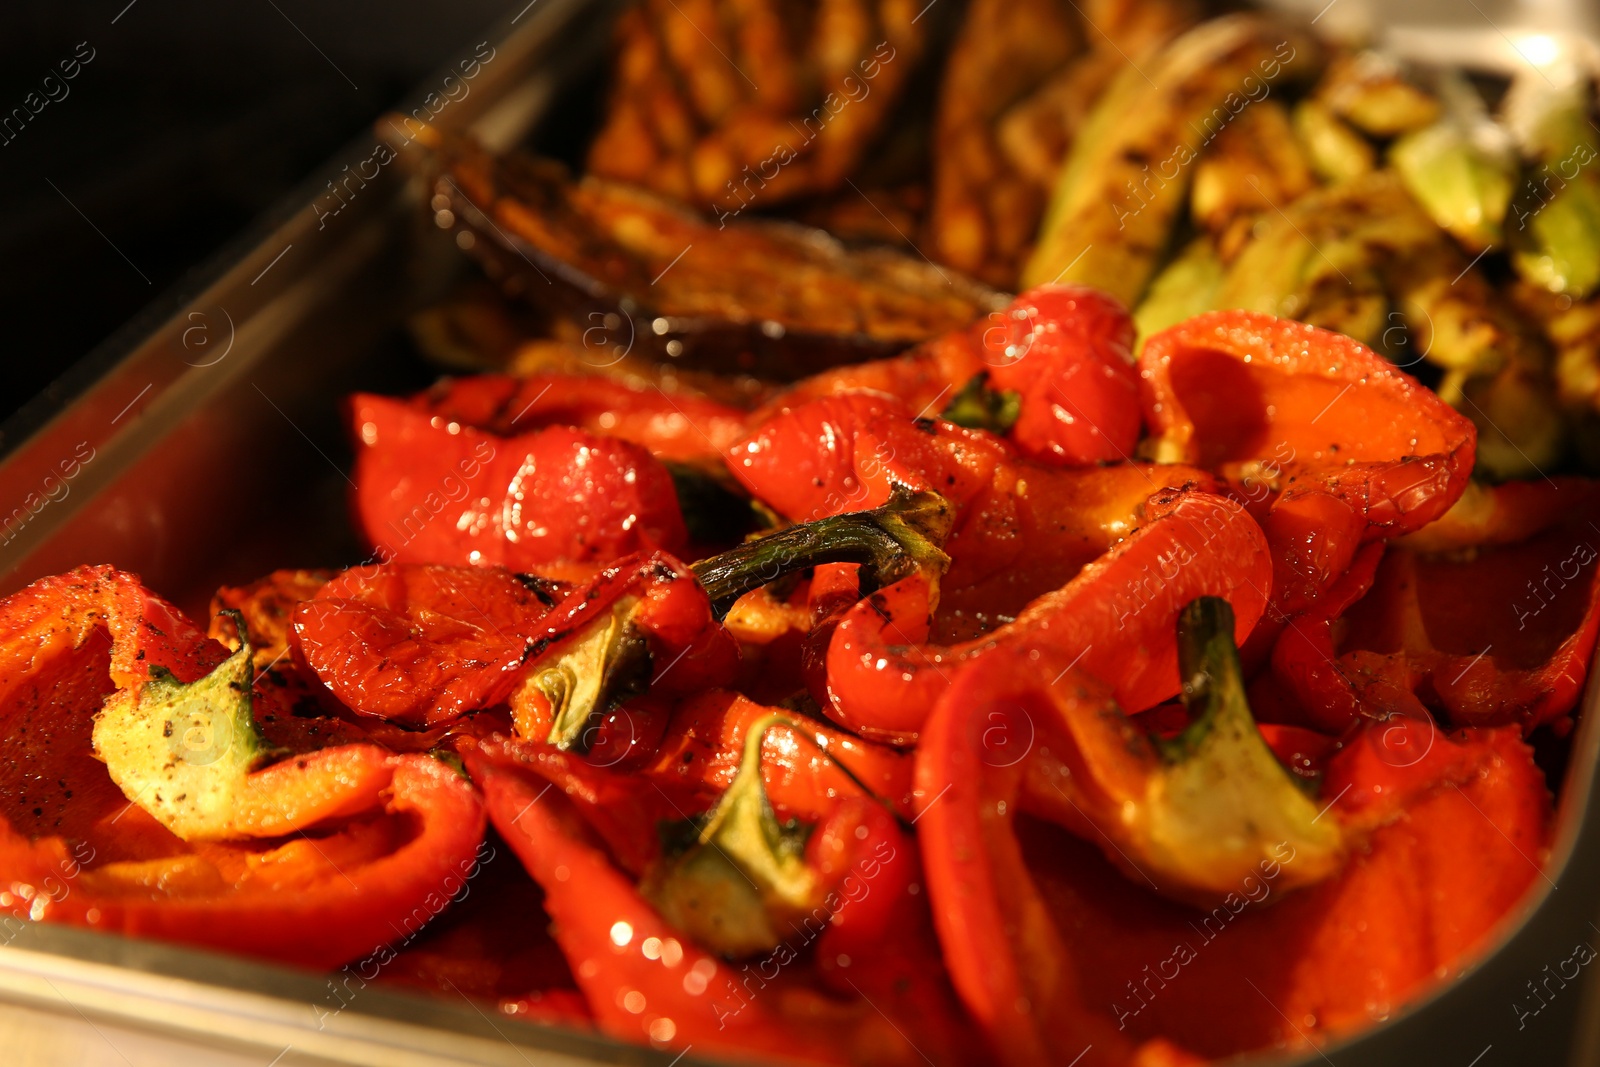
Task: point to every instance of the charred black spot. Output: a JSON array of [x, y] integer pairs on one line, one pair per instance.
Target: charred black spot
[[307, 708], [548, 592]]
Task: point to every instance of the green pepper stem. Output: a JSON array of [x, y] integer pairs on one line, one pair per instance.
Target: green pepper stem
[[607, 663], [1208, 664], [1221, 804], [977, 407], [891, 542]]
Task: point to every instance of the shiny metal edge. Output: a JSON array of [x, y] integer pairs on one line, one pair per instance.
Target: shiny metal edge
[[225, 1004]]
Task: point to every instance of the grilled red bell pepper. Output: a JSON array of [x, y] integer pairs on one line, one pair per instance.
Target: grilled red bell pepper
[[647, 979], [645, 623], [880, 944], [1021, 528], [420, 644], [1330, 444], [1008, 962], [296, 710], [1500, 631], [592, 649], [394, 836], [1099, 958], [1053, 373], [427, 644], [1334, 957], [1191, 816], [433, 490], [644, 980], [678, 427], [1115, 619], [1304, 660]]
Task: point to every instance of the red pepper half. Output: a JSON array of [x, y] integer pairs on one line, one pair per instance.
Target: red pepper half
[[1116, 619], [420, 644], [1088, 952], [843, 904], [1432, 883], [433, 490], [1191, 817], [360, 842], [1493, 633], [1323, 436]]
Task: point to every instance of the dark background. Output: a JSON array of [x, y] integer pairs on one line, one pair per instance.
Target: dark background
[[190, 120]]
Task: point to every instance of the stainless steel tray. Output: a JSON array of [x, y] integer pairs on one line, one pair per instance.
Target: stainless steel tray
[[217, 455]]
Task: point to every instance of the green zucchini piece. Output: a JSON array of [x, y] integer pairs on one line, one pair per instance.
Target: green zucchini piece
[[1555, 219], [1186, 287], [1462, 169], [1337, 152], [1122, 189]]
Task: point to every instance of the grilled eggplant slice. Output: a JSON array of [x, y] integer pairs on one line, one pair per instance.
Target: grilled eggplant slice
[[985, 211], [728, 104], [644, 275]]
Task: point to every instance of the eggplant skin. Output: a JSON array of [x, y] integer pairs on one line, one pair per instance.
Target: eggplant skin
[[642, 274]]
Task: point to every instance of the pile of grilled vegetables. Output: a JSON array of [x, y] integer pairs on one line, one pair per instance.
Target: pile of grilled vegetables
[[872, 170]]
